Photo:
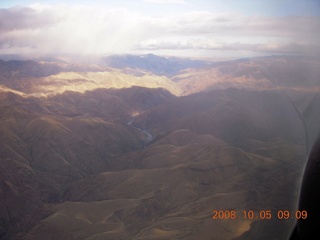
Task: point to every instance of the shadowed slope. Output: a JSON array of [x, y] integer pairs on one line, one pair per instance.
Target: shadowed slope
[[47, 144], [77, 165]]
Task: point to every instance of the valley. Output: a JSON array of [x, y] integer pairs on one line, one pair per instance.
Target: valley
[[146, 147]]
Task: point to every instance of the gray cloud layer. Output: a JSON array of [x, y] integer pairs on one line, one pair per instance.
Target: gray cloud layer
[[18, 18], [91, 30]]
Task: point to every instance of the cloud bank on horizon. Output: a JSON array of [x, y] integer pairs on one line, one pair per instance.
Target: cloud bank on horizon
[[169, 27]]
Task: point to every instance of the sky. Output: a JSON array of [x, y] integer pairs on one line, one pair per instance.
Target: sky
[[192, 28]]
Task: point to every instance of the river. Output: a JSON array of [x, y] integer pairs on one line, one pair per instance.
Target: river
[[148, 135]]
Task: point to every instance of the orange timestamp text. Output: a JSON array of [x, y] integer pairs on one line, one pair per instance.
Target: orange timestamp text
[[262, 214]]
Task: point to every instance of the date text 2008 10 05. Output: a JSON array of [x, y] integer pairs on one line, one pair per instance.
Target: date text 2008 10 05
[[262, 214]]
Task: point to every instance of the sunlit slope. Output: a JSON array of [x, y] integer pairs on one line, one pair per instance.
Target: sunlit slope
[[77, 163], [265, 73], [178, 76], [101, 179], [40, 79], [81, 82], [171, 187]]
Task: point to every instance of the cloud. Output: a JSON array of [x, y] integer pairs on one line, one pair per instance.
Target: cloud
[[64, 29], [212, 45], [24, 18], [58, 29], [234, 24], [233, 31]]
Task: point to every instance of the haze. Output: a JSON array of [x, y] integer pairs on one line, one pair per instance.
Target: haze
[[139, 119], [167, 27]]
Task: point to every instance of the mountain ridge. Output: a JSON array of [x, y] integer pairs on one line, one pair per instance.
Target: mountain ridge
[[75, 168]]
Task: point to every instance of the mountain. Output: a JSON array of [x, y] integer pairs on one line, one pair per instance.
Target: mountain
[[166, 66], [233, 115], [51, 78], [95, 152], [47, 145], [264, 73]]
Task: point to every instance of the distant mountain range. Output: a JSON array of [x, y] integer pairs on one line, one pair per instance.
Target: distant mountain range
[[166, 66], [147, 147]]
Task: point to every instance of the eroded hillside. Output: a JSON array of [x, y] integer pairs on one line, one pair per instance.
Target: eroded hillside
[[119, 153]]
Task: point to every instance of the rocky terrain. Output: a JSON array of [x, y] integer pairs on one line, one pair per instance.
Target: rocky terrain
[[128, 148]]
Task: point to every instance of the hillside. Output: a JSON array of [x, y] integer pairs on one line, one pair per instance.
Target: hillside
[[95, 152], [162, 66], [190, 76]]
